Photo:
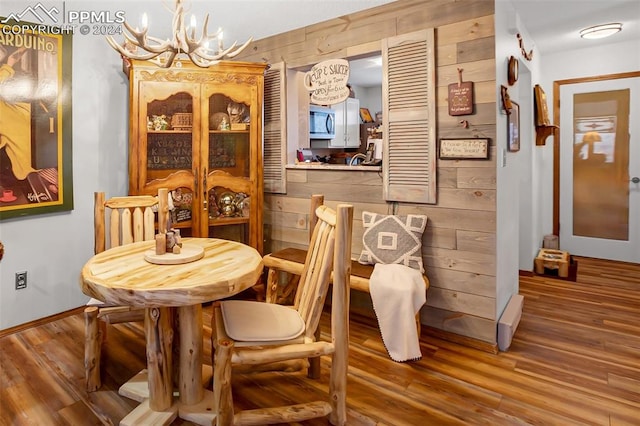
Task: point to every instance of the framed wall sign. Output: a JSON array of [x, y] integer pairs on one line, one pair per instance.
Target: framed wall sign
[[464, 149], [35, 120], [513, 128]]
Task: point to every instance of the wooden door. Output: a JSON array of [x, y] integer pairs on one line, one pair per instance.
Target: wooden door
[[167, 147], [231, 159]]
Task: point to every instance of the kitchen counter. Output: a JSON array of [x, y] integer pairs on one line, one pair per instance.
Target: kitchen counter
[[326, 166]]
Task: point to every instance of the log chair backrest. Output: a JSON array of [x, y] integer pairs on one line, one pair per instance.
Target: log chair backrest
[[131, 218], [314, 281]]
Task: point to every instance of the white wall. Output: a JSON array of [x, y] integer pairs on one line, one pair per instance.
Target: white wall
[[517, 201], [52, 248], [370, 98], [608, 59]]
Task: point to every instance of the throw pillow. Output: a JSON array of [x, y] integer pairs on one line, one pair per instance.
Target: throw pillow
[[390, 239]]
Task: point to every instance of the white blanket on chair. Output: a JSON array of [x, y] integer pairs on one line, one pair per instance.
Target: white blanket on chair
[[398, 293]]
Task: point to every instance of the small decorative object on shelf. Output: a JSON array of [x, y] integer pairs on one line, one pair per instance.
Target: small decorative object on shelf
[[237, 112], [226, 204], [182, 121], [218, 121], [159, 122], [544, 128]]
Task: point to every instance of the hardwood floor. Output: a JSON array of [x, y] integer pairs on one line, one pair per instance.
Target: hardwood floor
[[575, 359]]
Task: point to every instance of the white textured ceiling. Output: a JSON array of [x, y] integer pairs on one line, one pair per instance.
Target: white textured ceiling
[[554, 24]]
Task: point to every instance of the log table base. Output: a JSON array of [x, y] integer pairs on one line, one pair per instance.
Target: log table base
[[160, 401], [173, 382]]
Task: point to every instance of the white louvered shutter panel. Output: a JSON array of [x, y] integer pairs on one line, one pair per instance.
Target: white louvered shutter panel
[[409, 109], [275, 125]]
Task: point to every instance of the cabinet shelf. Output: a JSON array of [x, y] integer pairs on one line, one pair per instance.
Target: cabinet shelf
[[164, 132], [221, 221], [229, 132]]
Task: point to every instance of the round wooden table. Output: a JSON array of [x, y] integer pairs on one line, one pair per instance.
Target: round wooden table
[[122, 276]]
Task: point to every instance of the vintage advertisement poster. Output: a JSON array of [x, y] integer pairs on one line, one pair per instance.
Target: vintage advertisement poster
[[35, 119]]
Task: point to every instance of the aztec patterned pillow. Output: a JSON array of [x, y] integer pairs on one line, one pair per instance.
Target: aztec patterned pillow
[[392, 239]]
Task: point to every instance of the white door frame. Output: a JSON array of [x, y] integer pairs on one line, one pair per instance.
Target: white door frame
[[556, 112]]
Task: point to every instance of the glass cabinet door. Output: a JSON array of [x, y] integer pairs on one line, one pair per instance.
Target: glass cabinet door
[[170, 148], [228, 161]]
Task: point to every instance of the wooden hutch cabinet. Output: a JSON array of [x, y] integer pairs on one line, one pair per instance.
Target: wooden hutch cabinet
[[198, 132]]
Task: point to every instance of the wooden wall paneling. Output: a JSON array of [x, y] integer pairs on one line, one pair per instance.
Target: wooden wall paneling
[[458, 260], [484, 114], [480, 242], [439, 237], [296, 175], [462, 324], [365, 49], [459, 243], [346, 192], [477, 199], [443, 13], [466, 282], [467, 303], [447, 54], [290, 235], [472, 220], [463, 30], [476, 71], [455, 130], [476, 50], [447, 177], [345, 177], [287, 203], [476, 177], [351, 35], [287, 219]]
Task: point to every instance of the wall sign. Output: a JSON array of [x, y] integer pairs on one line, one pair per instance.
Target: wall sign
[[456, 149], [327, 82], [35, 119], [461, 96]]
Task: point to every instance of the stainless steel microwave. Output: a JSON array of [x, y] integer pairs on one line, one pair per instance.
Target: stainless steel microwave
[[322, 122]]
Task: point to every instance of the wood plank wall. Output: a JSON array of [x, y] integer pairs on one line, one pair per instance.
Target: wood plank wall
[[459, 245]]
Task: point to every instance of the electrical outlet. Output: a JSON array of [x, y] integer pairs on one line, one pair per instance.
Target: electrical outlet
[[21, 280]]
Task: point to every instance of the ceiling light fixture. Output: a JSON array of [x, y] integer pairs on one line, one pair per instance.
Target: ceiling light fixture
[[184, 41], [601, 31]]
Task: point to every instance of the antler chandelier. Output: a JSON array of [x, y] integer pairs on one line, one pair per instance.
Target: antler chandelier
[[163, 52]]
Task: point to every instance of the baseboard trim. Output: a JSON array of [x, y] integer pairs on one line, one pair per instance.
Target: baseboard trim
[[35, 323]]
